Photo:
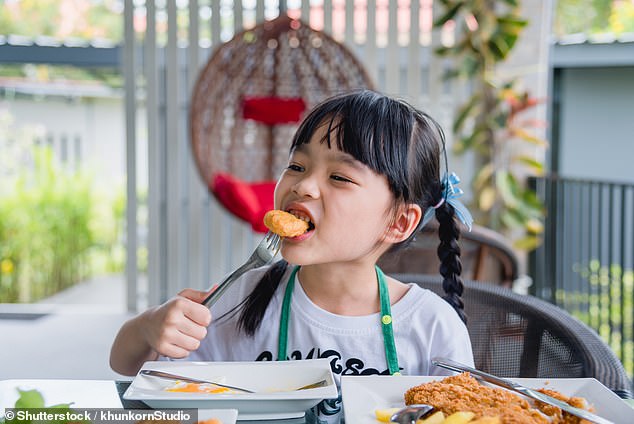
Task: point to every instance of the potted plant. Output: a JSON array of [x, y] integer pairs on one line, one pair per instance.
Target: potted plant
[[491, 122]]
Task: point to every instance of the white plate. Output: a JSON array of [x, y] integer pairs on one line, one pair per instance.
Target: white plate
[[362, 395], [272, 381]]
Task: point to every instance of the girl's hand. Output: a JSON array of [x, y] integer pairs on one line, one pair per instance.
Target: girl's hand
[[177, 327]]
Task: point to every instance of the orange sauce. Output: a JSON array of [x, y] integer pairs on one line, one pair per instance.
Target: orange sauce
[[197, 388]]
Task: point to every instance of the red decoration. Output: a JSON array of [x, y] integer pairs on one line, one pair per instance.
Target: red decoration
[[247, 201], [273, 110]]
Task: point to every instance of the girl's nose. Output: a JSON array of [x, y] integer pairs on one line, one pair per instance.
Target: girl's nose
[[306, 187]]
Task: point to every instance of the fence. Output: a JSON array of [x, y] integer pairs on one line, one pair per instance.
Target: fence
[[586, 263]]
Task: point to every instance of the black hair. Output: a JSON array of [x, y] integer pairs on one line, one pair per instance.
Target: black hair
[[394, 139]]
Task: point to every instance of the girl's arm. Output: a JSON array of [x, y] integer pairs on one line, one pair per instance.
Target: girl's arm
[[173, 329]]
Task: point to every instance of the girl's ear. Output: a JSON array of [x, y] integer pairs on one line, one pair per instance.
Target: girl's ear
[[405, 223]]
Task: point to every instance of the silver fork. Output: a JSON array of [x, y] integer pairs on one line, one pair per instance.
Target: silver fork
[[262, 255]]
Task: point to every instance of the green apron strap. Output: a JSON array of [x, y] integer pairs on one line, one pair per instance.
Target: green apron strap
[[282, 342], [386, 321], [386, 325]]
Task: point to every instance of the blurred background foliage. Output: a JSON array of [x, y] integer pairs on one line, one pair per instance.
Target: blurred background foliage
[[593, 16], [491, 122], [57, 227], [90, 19]]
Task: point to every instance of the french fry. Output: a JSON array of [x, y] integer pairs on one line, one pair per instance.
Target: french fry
[[460, 417], [384, 414], [436, 418]]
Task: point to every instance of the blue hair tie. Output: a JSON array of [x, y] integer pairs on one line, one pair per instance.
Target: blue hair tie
[[451, 194]]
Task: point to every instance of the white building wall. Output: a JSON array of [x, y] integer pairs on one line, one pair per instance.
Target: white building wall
[[597, 129], [94, 130]]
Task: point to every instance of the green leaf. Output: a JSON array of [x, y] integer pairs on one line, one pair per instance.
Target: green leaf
[[483, 176], [526, 136], [449, 14], [535, 165], [499, 47], [511, 218], [534, 226], [470, 65], [532, 202], [464, 112], [486, 198], [29, 399], [477, 137], [508, 187], [514, 3], [499, 119], [451, 74], [512, 24], [527, 243]]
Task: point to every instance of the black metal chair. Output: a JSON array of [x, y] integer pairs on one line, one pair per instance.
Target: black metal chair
[[515, 335], [486, 256]]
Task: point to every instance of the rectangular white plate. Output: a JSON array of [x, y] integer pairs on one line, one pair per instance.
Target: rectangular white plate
[[272, 381], [362, 395]]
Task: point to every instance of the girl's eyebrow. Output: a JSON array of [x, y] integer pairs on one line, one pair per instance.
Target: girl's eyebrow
[[347, 159], [336, 156]]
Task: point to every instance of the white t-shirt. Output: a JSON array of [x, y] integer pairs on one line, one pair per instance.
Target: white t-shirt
[[424, 326]]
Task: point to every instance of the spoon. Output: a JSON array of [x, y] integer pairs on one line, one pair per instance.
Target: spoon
[[411, 413]]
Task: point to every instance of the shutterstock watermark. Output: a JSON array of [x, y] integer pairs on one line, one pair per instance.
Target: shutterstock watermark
[[99, 416]]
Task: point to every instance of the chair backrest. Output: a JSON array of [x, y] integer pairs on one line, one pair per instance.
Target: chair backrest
[[486, 256], [515, 335]]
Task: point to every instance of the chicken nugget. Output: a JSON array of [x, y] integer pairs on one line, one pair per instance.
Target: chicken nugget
[[285, 224]]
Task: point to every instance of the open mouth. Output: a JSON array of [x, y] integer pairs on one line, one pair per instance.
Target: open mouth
[[304, 217]]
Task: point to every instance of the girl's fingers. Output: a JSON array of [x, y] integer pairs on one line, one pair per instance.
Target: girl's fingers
[[175, 351], [197, 313], [192, 329], [176, 344], [194, 295]]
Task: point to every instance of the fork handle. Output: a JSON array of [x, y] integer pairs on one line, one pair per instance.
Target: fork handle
[[224, 284]]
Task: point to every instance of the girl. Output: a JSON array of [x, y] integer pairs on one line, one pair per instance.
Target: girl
[[363, 170]]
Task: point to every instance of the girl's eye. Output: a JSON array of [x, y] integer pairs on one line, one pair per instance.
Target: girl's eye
[[295, 167], [340, 178]]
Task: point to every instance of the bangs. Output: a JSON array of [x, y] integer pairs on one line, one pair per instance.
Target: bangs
[[371, 128]]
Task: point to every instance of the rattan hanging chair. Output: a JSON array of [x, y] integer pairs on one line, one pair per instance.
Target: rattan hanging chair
[[248, 102]]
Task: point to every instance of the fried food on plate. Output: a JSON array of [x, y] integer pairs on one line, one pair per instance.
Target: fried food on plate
[[285, 224], [464, 393]]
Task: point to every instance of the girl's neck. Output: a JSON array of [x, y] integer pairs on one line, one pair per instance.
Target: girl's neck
[[343, 289]]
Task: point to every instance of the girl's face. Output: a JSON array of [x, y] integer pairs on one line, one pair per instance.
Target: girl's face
[[348, 204]]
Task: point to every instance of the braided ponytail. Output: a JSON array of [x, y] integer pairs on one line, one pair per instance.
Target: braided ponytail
[[449, 255]]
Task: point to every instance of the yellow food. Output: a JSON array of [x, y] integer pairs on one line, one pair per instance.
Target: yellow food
[[284, 223], [462, 392], [436, 418], [385, 414], [460, 417], [198, 388]]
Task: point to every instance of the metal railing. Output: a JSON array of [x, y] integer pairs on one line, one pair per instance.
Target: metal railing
[[586, 262]]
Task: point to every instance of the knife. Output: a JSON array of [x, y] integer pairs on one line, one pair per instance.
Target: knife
[[168, 376], [511, 385]]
